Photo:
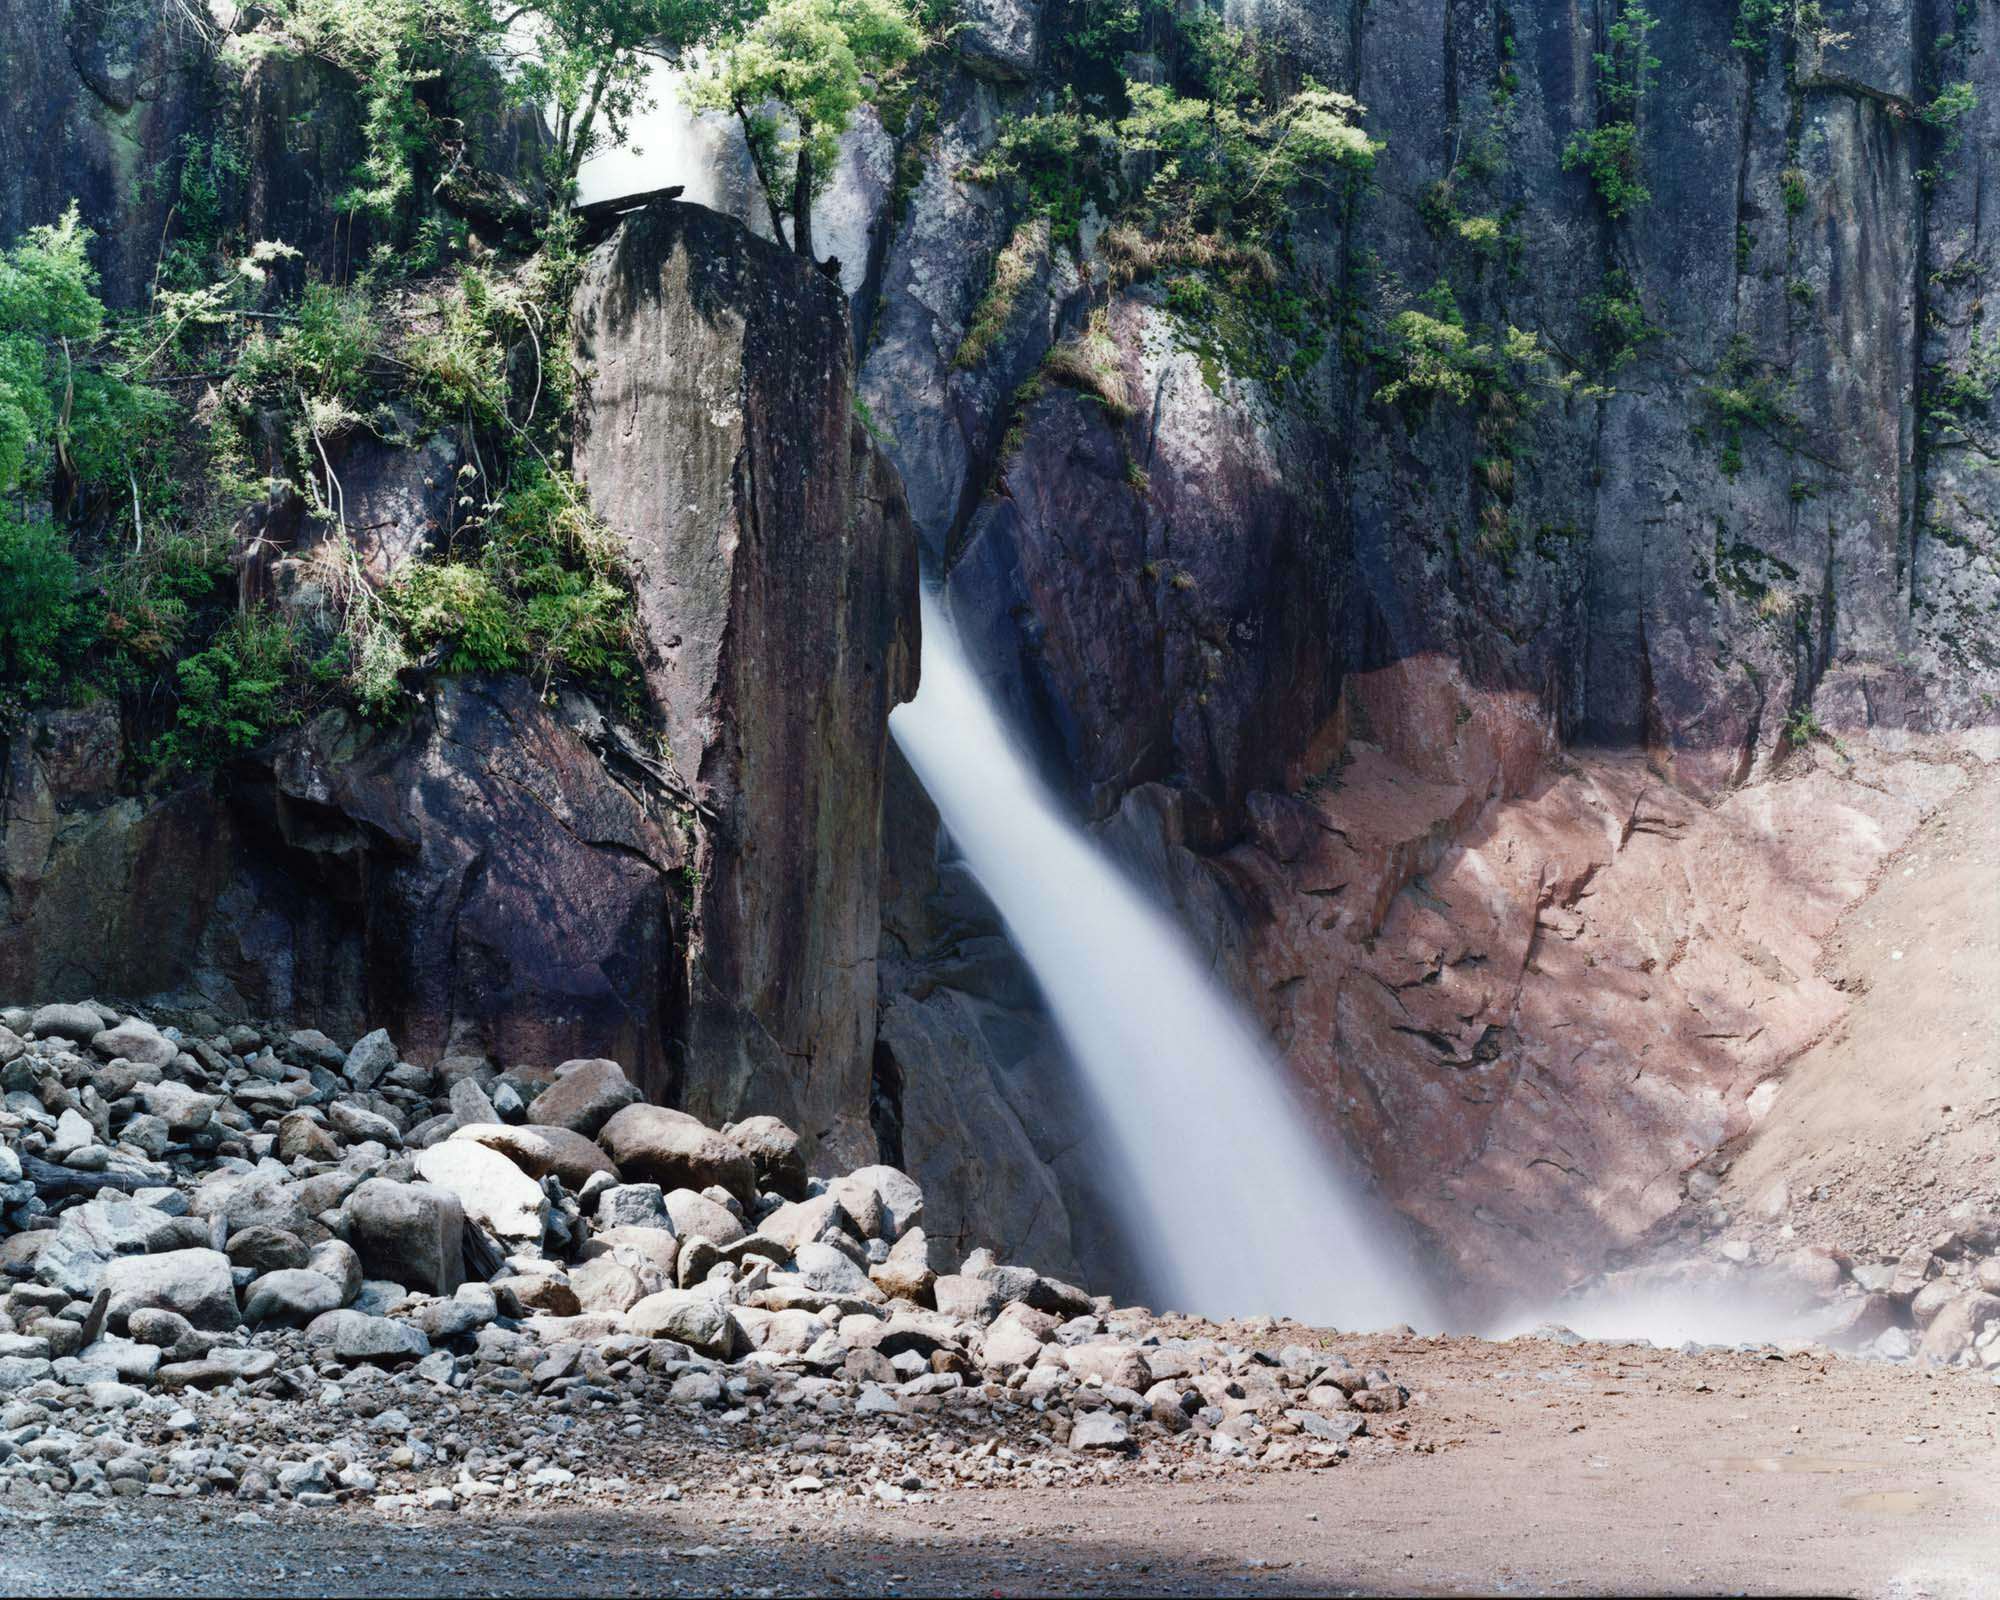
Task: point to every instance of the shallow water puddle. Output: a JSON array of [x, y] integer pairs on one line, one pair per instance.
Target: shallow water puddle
[[1797, 1464], [1895, 1502]]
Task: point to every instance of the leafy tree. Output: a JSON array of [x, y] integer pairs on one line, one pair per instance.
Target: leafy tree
[[586, 63], [1610, 151], [65, 422], [1227, 161], [811, 60]]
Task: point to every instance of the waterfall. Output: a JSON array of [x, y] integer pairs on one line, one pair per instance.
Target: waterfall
[[1230, 1203]]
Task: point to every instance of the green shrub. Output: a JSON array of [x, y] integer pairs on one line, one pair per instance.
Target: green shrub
[[1431, 355], [1610, 155], [1748, 396], [43, 617], [1056, 160], [1619, 320], [461, 608], [1803, 726], [328, 348], [246, 685], [460, 368], [1013, 270], [153, 596], [540, 594]]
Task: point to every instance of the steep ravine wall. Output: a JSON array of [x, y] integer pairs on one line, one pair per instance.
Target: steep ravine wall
[[777, 582], [1448, 764], [1458, 736]]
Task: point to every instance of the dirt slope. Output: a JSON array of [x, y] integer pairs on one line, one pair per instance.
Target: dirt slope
[[1876, 1132]]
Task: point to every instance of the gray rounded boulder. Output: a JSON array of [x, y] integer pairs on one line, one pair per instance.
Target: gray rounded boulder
[[585, 1096], [652, 1144]]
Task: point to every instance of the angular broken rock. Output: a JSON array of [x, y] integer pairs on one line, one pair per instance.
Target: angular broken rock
[[360, 1124], [1109, 1361], [691, 1316], [243, 1200], [372, 1055], [906, 1274], [299, 1134], [86, 1237], [224, 1364], [290, 1295], [139, 1363], [607, 1285], [1338, 1428], [1100, 1430], [652, 1144], [315, 1049], [820, 1219], [584, 1097], [495, 1193], [891, 1195], [410, 1233], [653, 1253], [527, 1293], [1008, 1345], [633, 1205], [829, 1271], [968, 1299], [1932, 1298], [363, 1338], [470, 1103], [773, 1149], [184, 1110], [1957, 1324], [195, 1283]]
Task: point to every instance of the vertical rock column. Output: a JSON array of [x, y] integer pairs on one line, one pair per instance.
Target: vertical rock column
[[776, 572]]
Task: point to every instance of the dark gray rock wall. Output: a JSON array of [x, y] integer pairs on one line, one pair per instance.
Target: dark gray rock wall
[[478, 879], [1218, 598], [775, 567], [99, 95]]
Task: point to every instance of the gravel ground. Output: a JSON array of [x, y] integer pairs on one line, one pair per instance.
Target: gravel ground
[[1525, 1467]]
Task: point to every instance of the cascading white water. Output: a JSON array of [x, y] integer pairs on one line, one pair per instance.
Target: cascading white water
[[1235, 1210]]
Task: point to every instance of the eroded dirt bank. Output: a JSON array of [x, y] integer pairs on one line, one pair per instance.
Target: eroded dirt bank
[[1526, 1467]]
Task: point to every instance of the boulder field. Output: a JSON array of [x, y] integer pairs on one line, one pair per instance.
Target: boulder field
[[248, 1262]]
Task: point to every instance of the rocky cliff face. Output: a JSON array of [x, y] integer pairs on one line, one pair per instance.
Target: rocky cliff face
[[1484, 743], [482, 874], [1312, 659], [776, 574]]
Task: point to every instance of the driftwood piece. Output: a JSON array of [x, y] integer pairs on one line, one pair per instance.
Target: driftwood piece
[[63, 1183], [601, 216]]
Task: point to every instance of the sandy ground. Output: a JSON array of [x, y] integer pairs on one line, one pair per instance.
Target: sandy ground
[[1897, 1114], [1526, 1468]]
